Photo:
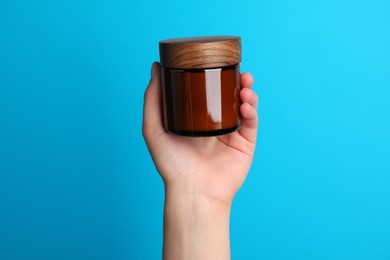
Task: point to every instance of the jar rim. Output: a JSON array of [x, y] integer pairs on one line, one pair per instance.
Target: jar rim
[[200, 52]]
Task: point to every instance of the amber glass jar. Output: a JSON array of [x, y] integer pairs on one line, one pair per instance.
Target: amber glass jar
[[200, 81]]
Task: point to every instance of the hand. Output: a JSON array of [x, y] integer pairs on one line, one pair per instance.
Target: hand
[[201, 176], [214, 167]]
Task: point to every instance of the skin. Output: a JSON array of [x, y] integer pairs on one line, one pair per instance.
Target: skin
[[201, 175]]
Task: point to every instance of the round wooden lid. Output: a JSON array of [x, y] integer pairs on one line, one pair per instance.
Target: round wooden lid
[[200, 52]]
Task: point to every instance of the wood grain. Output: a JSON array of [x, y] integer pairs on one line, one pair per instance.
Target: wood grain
[[200, 52]]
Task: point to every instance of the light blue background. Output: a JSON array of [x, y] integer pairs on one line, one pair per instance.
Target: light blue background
[[77, 182]]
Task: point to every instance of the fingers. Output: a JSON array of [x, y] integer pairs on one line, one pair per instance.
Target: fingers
[[248, 109], [249, 96], [152, 116], [246, 80]]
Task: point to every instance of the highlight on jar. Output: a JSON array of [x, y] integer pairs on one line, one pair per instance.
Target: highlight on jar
[[200, 83]]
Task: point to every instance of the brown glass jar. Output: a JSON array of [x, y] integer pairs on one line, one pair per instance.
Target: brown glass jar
[[200, 82]]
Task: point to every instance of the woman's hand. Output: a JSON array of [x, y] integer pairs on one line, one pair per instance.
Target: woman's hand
[[214, 167]]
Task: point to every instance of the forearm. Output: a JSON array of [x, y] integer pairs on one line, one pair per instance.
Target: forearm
[[195, 227]]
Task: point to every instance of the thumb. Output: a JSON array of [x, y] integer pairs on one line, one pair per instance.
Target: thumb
[[152, 124]]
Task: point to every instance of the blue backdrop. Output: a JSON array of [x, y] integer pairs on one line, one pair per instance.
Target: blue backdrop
[[77, 182]]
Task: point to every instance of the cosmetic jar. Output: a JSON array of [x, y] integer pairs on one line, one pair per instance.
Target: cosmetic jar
[[200, 85]]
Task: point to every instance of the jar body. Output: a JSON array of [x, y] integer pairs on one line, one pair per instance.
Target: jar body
[[201, 102]]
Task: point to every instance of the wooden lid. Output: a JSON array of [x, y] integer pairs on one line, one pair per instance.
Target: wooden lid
[[200, 52]]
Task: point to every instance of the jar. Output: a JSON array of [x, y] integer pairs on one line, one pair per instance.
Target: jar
[[200, 85]]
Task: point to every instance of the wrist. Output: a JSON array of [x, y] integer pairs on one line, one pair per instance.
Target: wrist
[[195, 202], [196, 192]]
